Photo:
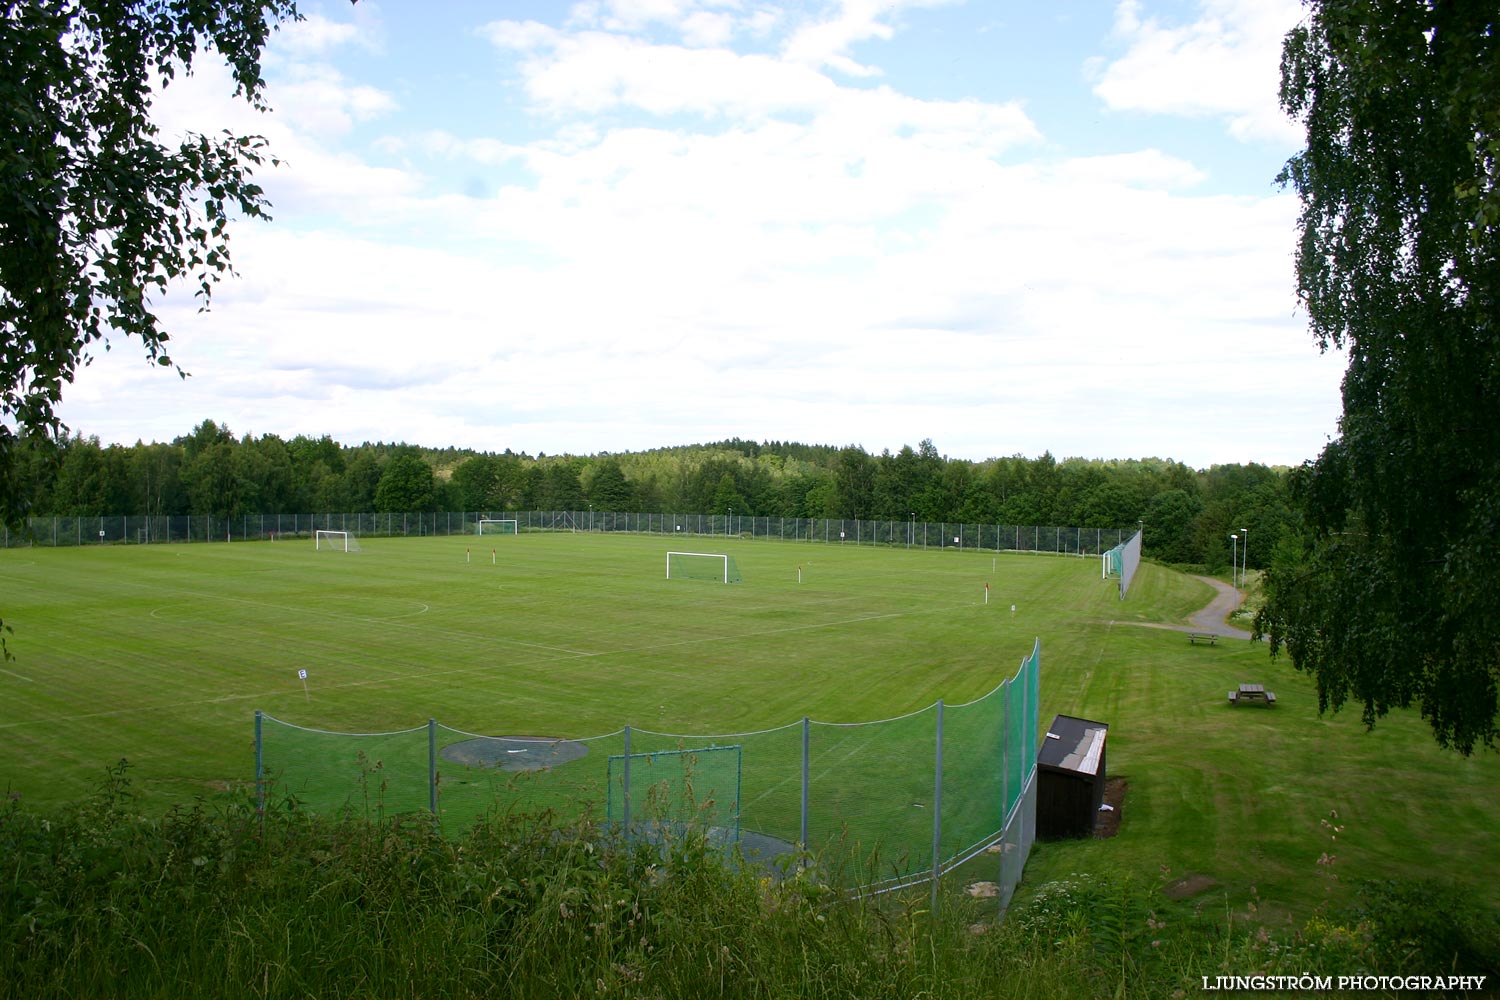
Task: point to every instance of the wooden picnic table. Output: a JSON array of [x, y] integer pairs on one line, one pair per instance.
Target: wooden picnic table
[[1252, 694]]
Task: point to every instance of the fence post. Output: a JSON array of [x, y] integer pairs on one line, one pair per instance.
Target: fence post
[[260, 783], [806, 743], [432, 789], [1004, 894], [937, 809], [625, 797]]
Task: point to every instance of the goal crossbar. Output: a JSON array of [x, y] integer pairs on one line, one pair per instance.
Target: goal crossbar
[[497, 525], [340, 541], [726, 571]]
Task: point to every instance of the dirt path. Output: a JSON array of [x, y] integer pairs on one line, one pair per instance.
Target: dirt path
[[1213, 618]]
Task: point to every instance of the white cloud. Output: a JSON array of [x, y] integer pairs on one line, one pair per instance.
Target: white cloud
[[314, 106], [322, 102], [701, 242], [314, 34], [1226, 63], [1148, 167], [828, 41], [706, 29], [523, 36]]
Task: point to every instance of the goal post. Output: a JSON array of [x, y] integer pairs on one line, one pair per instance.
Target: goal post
[[702, 566], [337, 541], [499, 526]]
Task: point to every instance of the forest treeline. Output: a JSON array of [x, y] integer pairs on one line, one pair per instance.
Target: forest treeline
[[1188, 514]]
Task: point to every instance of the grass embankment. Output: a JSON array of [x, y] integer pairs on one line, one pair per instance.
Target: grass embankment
[[97, 901]]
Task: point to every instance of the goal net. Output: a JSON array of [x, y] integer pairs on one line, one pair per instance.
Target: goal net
[[702, 566], [337, 541], [498, 526]]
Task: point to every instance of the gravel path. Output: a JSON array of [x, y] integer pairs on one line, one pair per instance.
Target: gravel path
[[1212, 619]]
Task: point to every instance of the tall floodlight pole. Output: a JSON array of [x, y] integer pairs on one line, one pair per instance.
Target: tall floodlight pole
[[1244, 554], [1234, 559]]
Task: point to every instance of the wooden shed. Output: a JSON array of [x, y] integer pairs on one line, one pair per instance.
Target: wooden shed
[[1070, 777]]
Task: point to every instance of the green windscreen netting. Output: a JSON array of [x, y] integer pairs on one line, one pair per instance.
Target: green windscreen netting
[[677, 788], [882, 803]]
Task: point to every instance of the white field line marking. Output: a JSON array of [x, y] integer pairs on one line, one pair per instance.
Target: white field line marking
[[17, 676]]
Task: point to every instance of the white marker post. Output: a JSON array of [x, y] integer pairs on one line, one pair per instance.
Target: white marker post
[[492, 557], [302, 675], [799, 574], [466, 555], [986, 592]]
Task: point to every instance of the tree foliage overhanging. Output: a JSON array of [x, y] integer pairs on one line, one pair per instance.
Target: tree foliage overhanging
[[1391, 603], [98, 212]]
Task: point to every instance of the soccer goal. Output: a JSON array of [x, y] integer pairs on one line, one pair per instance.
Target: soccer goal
[[702, 566], [337, 541], [499, 526]]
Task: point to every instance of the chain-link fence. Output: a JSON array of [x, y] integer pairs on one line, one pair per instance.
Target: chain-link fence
[[880, 804], [142, 530], [1122, 561]]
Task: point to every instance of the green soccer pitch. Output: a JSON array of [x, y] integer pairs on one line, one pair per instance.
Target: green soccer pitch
[[161, 655]]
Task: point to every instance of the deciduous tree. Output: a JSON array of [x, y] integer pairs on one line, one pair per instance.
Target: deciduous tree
[[406, 485], [1393, 601], [99, 214]]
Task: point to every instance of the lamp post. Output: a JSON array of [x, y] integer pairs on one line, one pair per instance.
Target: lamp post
[[1244, 554], [1234, 559], [911, 532], [728, 521], [591, 517]]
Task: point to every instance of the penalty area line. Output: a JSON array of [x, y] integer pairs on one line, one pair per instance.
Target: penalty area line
[[17, 676]]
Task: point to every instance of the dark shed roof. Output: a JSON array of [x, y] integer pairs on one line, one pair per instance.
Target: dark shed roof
[[1073, 745]]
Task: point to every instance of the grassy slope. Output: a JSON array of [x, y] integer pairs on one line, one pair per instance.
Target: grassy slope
[[161, 654]]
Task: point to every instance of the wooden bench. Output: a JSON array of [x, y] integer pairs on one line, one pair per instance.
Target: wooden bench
[[1252, 694], [1196, 637]]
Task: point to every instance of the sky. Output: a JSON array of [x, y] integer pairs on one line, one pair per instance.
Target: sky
[[616, 225]]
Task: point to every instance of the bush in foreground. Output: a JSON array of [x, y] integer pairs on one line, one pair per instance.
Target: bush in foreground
[[216, 902]]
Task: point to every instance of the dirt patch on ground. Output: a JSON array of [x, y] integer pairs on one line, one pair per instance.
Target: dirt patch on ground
[[1188, 886], [1107, 822], [513, 753]]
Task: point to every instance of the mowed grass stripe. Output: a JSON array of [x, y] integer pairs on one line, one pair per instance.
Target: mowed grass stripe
[[203, 633]]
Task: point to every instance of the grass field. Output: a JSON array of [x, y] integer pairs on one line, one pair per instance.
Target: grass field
[[161, 655]]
